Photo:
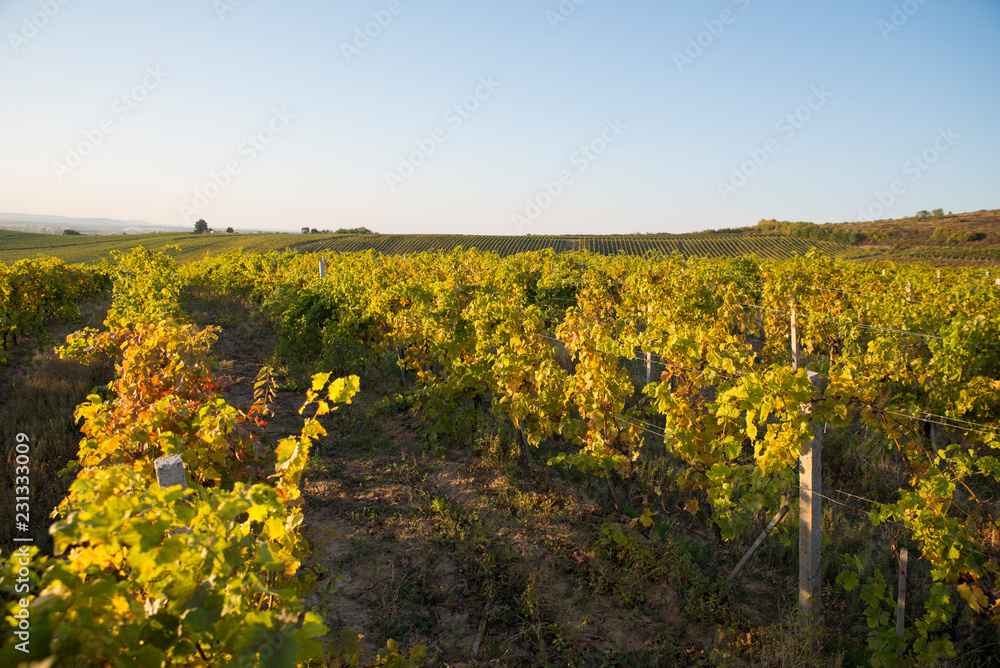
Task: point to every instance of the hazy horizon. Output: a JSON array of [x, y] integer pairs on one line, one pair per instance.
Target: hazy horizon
[[559, 117]]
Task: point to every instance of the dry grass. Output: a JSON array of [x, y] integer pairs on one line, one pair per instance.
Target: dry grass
[[912, 232], [38, 396]]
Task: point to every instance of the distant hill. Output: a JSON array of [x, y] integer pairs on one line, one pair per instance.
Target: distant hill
[[982, 226], [44, 224], [976, 229]]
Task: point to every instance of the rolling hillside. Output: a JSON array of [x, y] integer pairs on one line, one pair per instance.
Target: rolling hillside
[[92, 248], [953, 239]]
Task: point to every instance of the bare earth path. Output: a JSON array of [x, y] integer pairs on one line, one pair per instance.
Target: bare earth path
[[459, 551]]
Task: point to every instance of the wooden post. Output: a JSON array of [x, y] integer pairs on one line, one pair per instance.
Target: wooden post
[[883, 272], [901, 594], [939, 275], [322, 266], [482, 628], [998, 281], [649, 368], [909, 290], [757, 543], [524, 457], [810, 517], [795, 341]]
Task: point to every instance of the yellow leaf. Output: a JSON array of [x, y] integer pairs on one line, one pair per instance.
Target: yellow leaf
[[647, 517], [257, 512], [343, 389], [319, 380], [120, 605], [274, 528], [974, 596]]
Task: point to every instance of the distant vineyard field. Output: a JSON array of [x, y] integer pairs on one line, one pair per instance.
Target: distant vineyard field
[[92, 248], [775, 247], [400, 244]]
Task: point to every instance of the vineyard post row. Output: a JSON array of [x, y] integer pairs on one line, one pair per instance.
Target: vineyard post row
[[809, 506], [810, 493], [810, 502]]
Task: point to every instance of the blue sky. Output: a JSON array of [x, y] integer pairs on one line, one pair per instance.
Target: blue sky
[[598, 117]]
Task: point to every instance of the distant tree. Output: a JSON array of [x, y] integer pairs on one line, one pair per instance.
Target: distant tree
[[314, 231], [71, 232], [200, 226], [937, 213], [952, 237], [229, 230], [354, 230], [305, 230]]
